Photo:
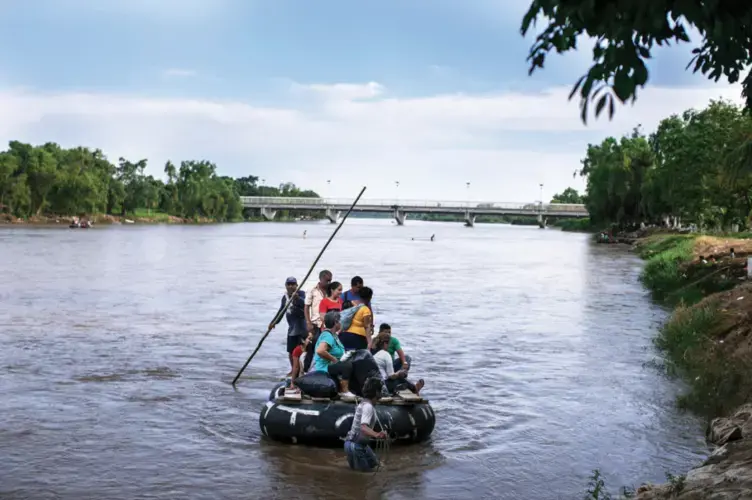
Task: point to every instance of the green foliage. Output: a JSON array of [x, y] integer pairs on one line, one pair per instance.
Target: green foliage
[[579, 225], [694, 168], [49, 179], [662, 274], [596, 488], [569, 195], [626, 32], [717, 382]]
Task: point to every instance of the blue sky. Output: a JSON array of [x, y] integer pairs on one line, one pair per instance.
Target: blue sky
[[434, 93]]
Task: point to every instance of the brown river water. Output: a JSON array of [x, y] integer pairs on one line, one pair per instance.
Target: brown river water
[[118, 346]]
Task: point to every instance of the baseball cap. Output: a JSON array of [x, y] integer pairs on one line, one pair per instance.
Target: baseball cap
[[291, 281]]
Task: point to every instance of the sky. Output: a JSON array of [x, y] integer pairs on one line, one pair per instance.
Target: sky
[[433, 94]]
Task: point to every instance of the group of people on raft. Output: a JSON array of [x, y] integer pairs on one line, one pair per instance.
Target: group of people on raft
[[317, 341], [325, 327]]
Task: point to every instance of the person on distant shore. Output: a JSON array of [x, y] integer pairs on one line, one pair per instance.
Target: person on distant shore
[[395, 380], [296, 325], [298, 357], [732, 254], [352, 296], [333, 301], [360, 455], [313, 318], [402, 362], [328, 352], [358, 335]]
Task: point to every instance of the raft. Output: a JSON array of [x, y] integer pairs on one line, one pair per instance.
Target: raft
[[300, 419]]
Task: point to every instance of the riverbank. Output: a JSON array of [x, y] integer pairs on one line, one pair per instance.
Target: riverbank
[[102, 219], [137, 218], [708, 343]]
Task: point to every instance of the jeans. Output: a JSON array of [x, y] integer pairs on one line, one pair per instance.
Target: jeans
[[360, 457], [311, 349], [398, 363]]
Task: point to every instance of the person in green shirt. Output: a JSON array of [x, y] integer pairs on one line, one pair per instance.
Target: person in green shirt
[[402, 362]]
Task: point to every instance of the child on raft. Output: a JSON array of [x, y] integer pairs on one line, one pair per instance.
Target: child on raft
[[360, 456]]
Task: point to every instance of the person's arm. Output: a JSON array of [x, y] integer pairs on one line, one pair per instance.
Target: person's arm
[[295, 369], [368, 325], [323, 351], [388, 367], [279, 316], [307, 311], [401, 355], [365, 419], [323, 306]]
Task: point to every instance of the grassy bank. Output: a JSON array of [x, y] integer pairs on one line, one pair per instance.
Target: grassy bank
[[575, 225], [705, 340]]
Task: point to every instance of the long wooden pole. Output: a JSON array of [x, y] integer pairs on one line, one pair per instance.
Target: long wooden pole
[[281, 312]]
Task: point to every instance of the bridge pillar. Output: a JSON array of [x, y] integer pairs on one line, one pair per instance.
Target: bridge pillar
[[469, 219], [268, 213], [332, 215], [400, 216], [542, 221]]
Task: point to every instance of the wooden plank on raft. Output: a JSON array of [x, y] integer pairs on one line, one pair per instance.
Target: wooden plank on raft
[[292, 396], [409, 396]]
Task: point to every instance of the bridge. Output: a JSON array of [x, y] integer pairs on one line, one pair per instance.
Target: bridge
[[333, 207]]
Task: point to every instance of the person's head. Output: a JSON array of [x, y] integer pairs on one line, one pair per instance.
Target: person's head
[[356, 283], [385, 327], [291, 284], [307, 341], [732, 250], [331, 321], [334, 290], [325, 277], [372, 388], [382, 340], [366, 294]]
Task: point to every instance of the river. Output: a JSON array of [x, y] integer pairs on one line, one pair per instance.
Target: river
[[118, 346]]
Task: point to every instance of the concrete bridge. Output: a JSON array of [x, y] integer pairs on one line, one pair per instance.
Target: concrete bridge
[[333, 207]]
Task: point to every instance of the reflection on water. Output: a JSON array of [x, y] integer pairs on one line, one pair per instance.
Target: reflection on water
[[117, 347]]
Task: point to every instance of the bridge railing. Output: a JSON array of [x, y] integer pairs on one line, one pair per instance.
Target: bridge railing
[[281, 201]]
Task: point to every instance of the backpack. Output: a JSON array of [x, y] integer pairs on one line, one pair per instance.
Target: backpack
[[346, 302], [346, 316]]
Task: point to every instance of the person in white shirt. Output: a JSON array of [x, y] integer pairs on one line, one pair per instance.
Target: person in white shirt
[[394, 381]]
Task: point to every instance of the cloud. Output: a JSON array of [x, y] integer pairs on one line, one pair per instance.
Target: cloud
[[505, 144], [178, 73]]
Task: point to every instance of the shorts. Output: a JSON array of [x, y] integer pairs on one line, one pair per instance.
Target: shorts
[[293, 341], [353, 341]]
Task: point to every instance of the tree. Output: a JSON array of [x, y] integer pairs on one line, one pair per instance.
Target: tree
[[625, 32], [696, 167], [569, 195], [77, 181]]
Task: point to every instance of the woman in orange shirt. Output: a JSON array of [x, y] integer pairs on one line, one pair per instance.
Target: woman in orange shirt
[[358, 336], [333, 301]]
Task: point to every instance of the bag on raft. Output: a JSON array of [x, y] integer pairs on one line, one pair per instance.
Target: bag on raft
[[364, 367], [346, 316], [317, 385]]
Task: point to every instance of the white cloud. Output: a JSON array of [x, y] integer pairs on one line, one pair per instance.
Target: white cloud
[[178, 73], [504, 144]]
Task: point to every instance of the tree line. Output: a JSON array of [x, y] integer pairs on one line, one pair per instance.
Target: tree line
[[49, 179], [696, 168]]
